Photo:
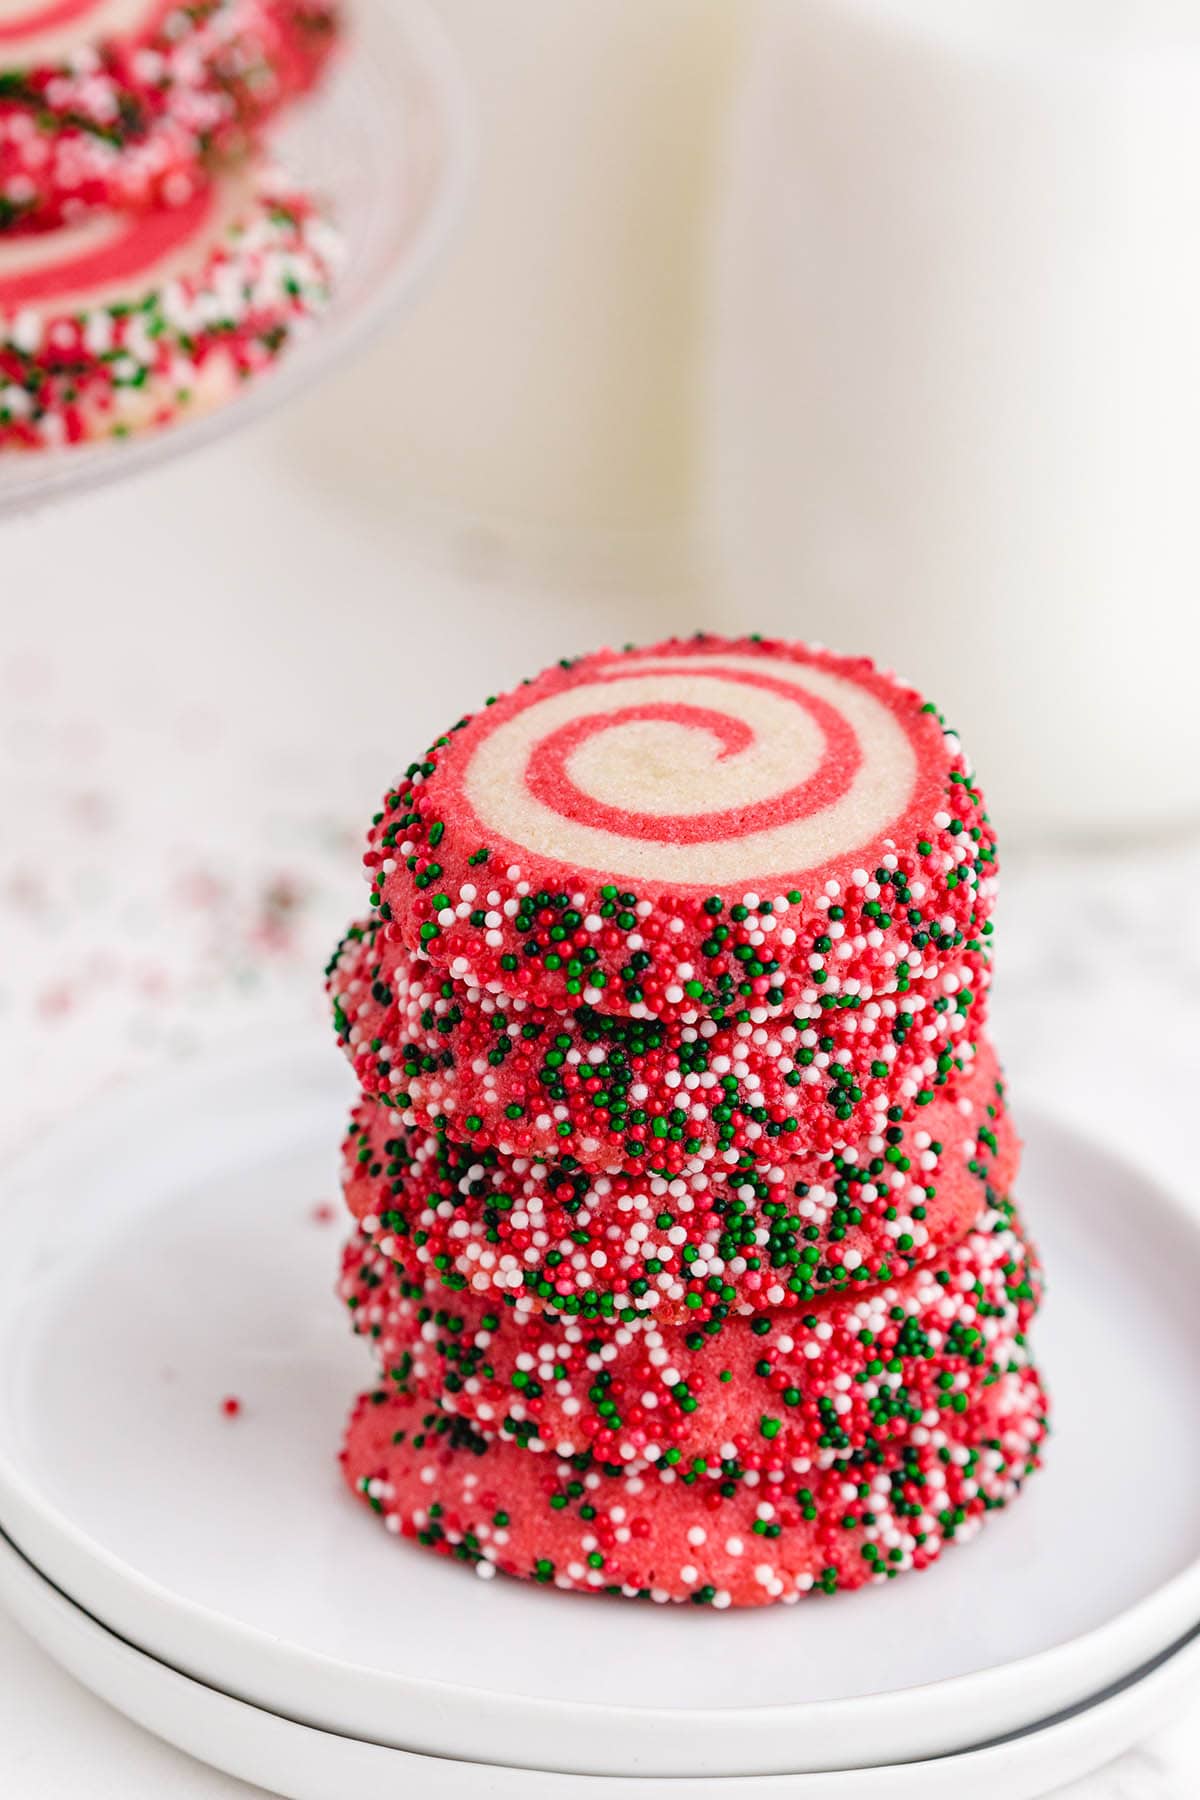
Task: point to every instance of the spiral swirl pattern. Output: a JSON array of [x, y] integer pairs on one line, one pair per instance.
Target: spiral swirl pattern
[[694, 770], [108, 256], [46, 30]]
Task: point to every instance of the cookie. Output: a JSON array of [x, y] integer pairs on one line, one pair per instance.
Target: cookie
[[131, 321], [623, 1245], [488, 1503], [764, 1392], [615, 1092], [132, 103], [705, 828]]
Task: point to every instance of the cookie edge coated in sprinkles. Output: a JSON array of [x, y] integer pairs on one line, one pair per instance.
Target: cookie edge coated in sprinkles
[[649, 950]]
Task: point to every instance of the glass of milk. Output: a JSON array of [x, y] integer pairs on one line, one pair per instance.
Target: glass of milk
[[953, 397]]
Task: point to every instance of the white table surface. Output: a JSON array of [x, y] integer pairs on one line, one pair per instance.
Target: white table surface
[[206, 681]]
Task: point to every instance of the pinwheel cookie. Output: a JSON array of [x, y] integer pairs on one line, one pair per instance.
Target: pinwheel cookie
[[130, 321], [624, 1245], [751, 1392], [615, 1091], [707, 828], [758, 1466], [131, 103]]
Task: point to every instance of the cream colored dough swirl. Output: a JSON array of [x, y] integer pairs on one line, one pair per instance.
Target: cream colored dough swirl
[[696, 770], [50, 31]]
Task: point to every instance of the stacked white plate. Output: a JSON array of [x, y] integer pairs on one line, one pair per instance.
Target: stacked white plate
[[208, 1575]]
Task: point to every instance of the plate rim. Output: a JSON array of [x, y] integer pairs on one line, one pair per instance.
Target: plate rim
[[37, 1595], [133, 1605]]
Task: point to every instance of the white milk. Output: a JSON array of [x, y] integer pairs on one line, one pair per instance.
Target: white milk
[[955, 396]]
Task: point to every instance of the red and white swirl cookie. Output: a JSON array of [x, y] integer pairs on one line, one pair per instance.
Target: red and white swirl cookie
[[130, 321], [780, 1457], [757, 1392], [56, 33], [654, 1094], [710, 827], [702, 1245], [129, 103], [432, 1477]]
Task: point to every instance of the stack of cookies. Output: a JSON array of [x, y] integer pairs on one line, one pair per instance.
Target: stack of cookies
[[150, 259], [681, 1172]]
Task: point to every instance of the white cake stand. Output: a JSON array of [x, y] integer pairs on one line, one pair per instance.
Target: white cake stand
[[388, 143], [161, 1251]]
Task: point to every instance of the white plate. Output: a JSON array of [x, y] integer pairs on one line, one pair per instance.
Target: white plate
[[388, 143], [306, 1764], [159, 1253]]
